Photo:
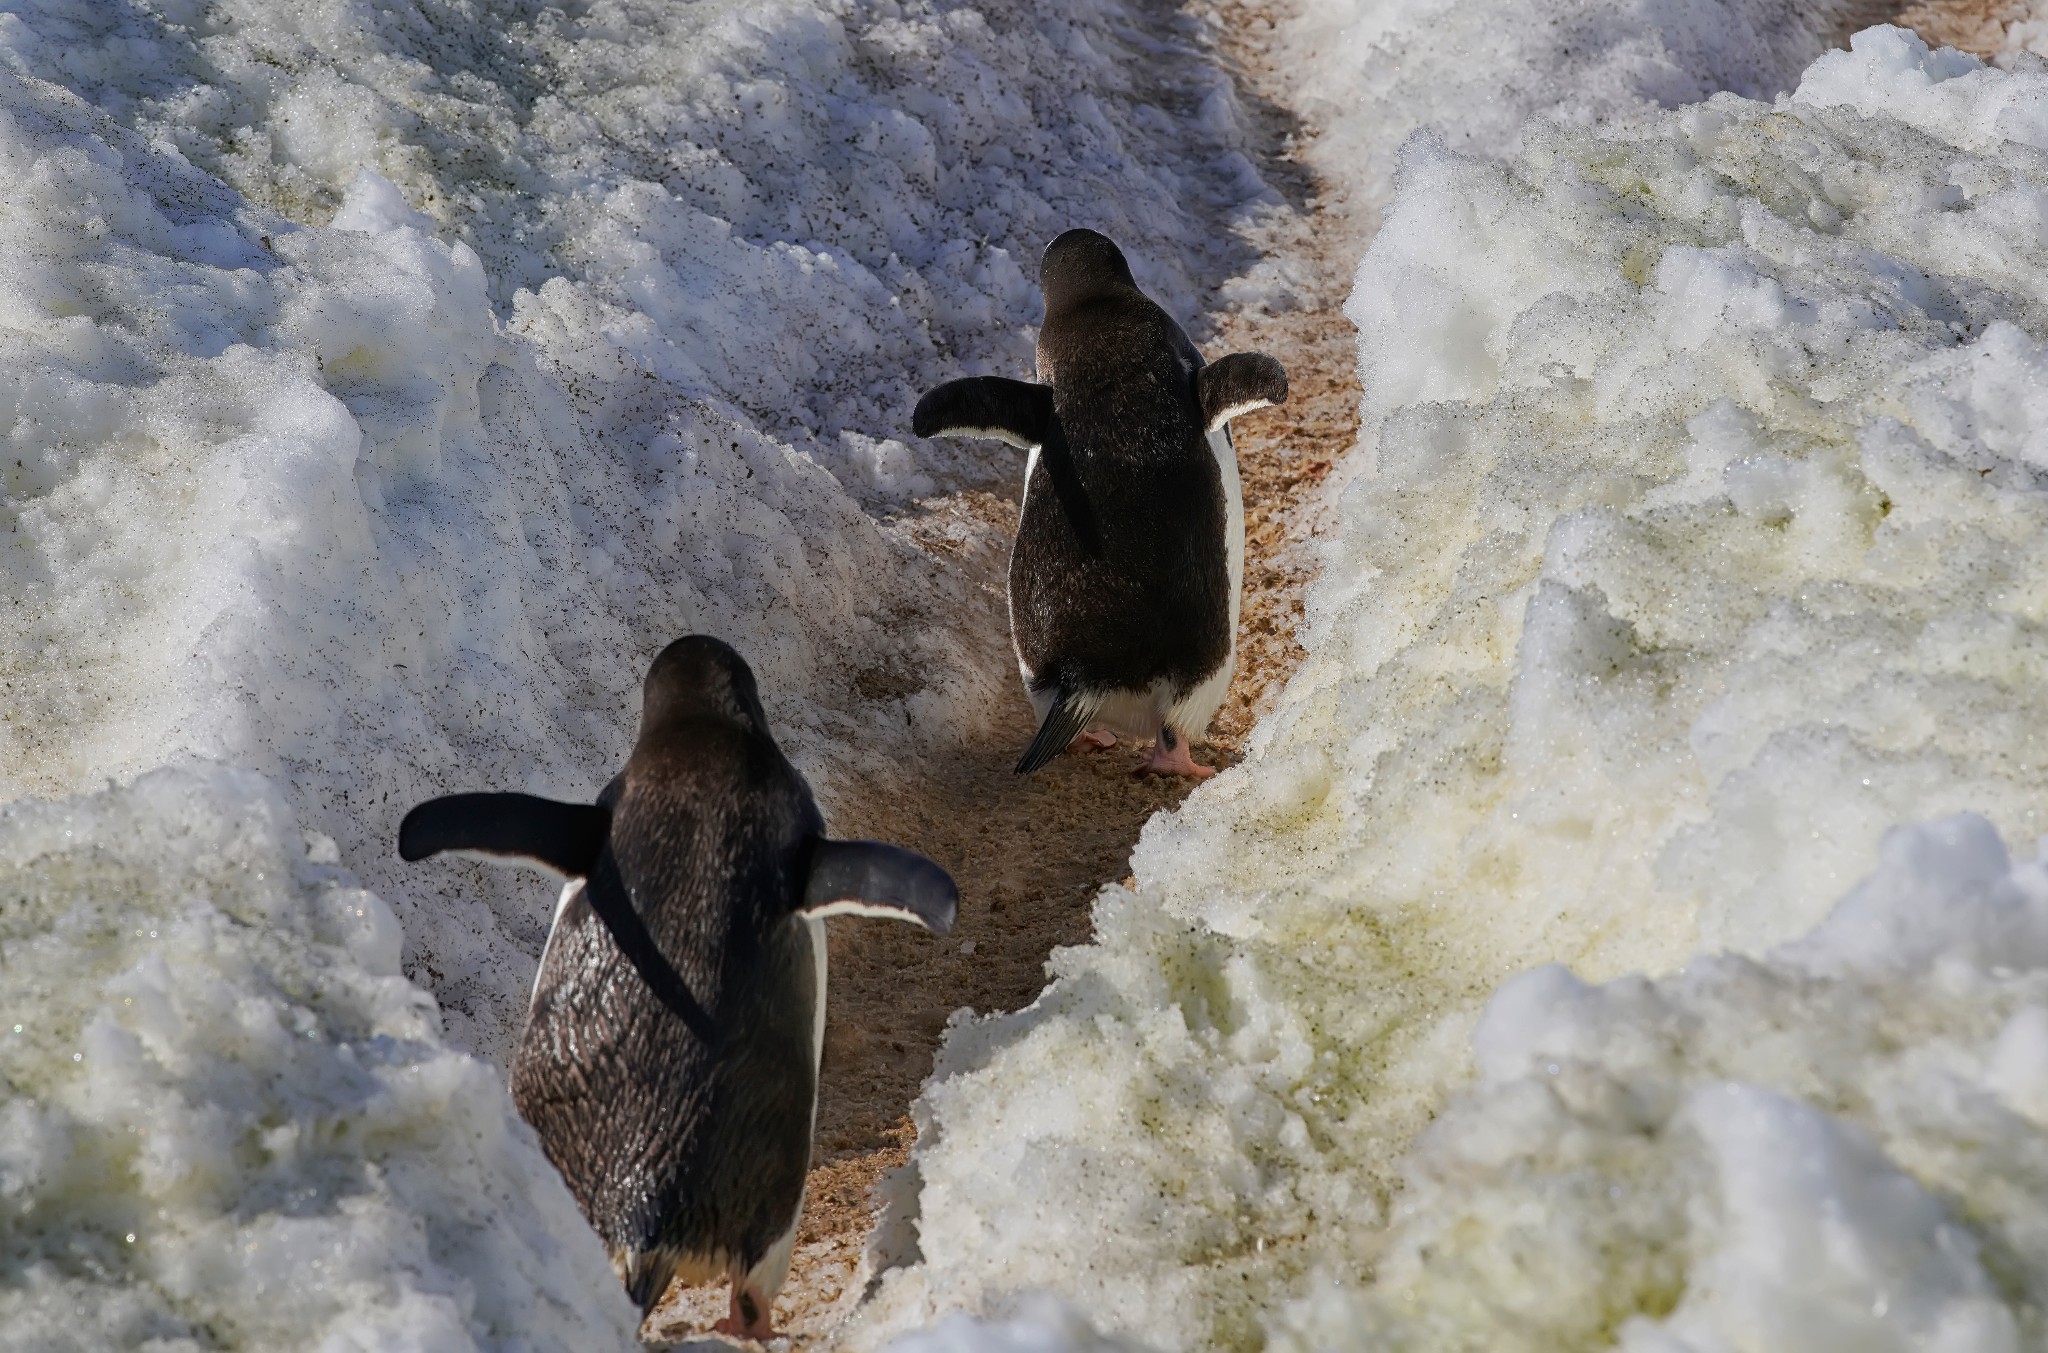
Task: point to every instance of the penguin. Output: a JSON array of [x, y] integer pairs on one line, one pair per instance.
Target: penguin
[[669, 1059], [1128, 568]]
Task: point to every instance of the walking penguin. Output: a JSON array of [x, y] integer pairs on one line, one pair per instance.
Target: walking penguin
[[1126, 576], [669, 1060]]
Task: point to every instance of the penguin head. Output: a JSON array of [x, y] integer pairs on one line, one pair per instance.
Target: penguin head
[[699, 677], [1080, 265]]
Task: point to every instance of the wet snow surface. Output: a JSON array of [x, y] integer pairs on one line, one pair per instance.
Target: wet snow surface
[[383, 385], [232, 1123]]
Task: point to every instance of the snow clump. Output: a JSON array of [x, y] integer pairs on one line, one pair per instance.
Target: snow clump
[[231, 1123], [1372, 71], [1840, 1146]]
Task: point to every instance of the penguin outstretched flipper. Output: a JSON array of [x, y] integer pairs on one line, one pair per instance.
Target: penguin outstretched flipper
[[1238, 384], [569, 839], [565, 837], [1020, 413], [1016, 412], [867, 878], [1063, 723]]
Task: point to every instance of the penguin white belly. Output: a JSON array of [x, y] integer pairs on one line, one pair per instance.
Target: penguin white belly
[[1192, 712], [767, 1276], [816, 925], [1135, 714], [1225, 452], [1009, 599]]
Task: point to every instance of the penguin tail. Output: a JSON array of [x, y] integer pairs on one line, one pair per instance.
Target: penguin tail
[[1070, 713], [646, 1274], [649, 1271]]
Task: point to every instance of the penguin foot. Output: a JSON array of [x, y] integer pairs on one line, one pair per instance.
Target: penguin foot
[[1094, 738], [1169, 756], [749, 1318]]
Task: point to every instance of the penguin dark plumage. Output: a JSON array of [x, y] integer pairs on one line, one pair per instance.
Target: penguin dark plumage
[[669, 1059], [1127, 572]]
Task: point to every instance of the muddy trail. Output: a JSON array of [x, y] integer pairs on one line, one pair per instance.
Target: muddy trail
[[1031, 853]]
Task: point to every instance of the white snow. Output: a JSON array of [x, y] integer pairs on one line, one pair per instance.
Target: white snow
[[1369, 72], [1699, 535], [231, 1123], [1830, 1148], [797, 209]]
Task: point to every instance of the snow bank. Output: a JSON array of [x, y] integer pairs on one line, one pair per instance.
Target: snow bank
[[607, 338], [1841, 1146], [231, 1122], [1700, 537], [802, 210], [1372, 71], [1034, 1323]]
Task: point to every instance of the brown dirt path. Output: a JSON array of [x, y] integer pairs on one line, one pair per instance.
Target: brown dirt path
[[1030, 854], [1976, 26]]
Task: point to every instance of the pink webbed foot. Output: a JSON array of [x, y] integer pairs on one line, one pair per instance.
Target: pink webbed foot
[[749, 1318], [1094, 738], [1170, 756]]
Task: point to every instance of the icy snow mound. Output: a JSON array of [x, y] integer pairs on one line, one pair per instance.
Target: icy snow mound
[[1841, 1147], [1374, 70], [231, 1123], [808, 211], [1034, 1323], [1700, 536]]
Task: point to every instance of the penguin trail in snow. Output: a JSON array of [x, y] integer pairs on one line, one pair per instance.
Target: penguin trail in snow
[[669, 1061], [1128, 568]]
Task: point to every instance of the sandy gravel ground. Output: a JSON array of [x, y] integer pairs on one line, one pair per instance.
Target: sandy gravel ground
[[1031, 853], [1973, 25]]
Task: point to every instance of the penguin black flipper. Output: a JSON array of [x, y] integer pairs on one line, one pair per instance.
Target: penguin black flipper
[[1021, 414], [867, 878], [1016, 412], [1063, 723], [1237, 384], [565, 837]]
